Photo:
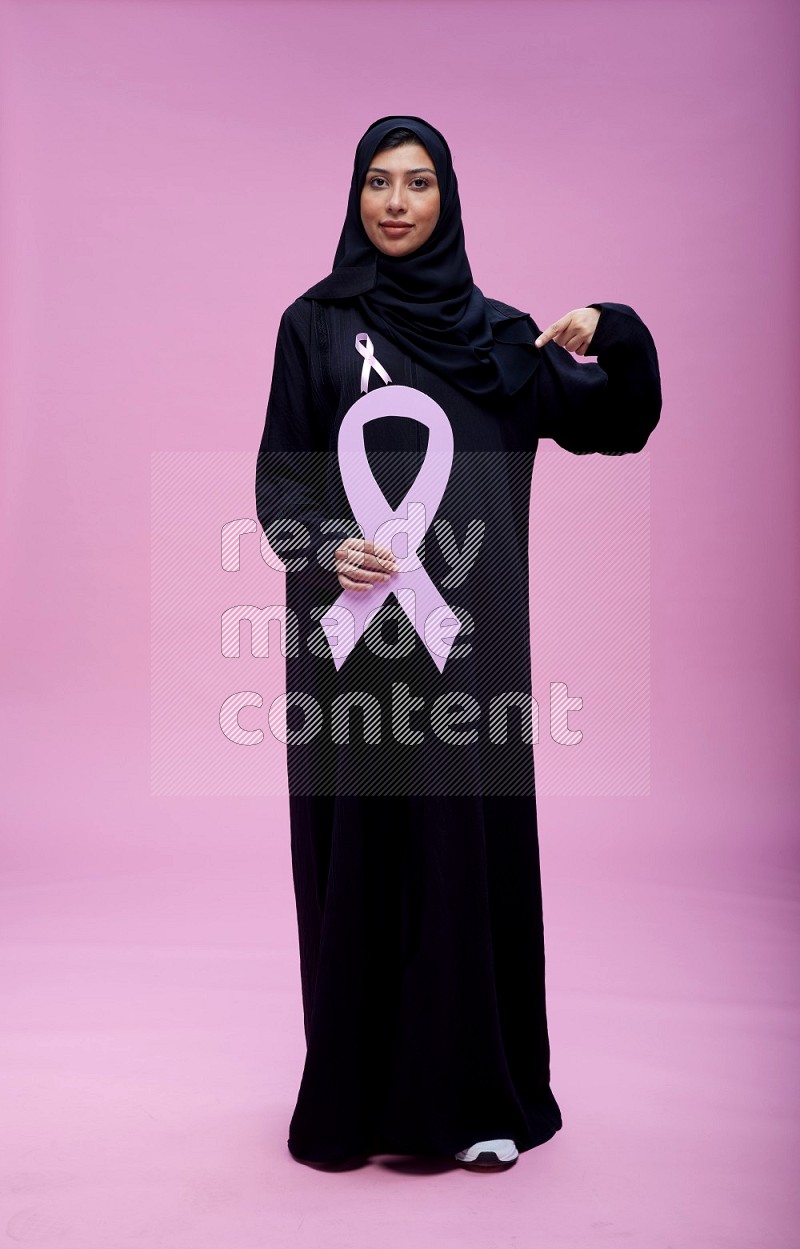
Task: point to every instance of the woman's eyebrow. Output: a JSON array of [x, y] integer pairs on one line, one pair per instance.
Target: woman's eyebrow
[[422, 169]]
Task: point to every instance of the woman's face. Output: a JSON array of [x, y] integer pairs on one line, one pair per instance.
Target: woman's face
[[400, 199]]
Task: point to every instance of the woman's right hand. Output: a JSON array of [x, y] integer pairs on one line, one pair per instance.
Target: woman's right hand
[[361, 563]]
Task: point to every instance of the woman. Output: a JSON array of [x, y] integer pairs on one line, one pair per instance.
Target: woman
[[412, 801]]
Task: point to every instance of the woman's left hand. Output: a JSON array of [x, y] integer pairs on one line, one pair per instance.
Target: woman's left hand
[[573, 331]]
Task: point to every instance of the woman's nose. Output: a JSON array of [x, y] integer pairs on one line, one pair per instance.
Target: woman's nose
[[397, 200]]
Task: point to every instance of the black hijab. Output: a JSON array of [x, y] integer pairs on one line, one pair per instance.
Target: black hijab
[[426, 302]]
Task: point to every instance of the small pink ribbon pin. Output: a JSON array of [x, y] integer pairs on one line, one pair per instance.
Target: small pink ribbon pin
[[364, 348], [346, 620]]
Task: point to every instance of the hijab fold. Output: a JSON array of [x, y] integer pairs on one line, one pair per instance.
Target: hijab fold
[[426, 302]]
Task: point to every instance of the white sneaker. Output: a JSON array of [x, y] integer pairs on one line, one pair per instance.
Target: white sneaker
[[489, 1153]]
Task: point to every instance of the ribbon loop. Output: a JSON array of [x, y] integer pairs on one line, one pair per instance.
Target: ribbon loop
[[425, 608]]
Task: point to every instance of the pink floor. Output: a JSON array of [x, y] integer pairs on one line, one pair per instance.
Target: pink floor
[[153, 1045]]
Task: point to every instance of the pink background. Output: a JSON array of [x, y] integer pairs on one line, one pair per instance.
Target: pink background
[[173, 175]]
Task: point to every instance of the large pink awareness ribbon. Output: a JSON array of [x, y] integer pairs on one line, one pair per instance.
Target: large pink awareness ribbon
[[349, 615]]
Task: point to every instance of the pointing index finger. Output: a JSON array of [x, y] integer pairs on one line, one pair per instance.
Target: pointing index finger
[[547, 334]]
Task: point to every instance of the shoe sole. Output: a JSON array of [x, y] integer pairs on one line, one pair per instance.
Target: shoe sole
[[486, 1167], [488, 1158]]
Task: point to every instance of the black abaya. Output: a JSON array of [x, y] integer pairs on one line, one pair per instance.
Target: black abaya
[[416, 863]]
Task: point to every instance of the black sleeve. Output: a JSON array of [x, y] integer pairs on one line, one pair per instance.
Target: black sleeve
[[291, 463], [610, 407]]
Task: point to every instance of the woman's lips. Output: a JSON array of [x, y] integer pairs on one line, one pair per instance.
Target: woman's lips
[[398, 229]]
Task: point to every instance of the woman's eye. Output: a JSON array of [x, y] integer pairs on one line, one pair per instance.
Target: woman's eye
[[424, 181]]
